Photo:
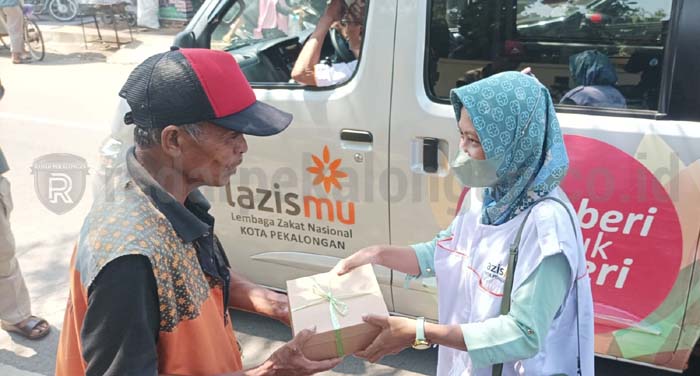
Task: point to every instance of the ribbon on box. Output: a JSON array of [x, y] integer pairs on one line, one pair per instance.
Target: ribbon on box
[[335, 305]]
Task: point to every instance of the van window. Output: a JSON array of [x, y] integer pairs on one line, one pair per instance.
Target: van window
[[267, 37], [598, 53]]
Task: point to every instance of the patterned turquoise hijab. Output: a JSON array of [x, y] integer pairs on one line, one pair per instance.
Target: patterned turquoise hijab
[[515, 119]]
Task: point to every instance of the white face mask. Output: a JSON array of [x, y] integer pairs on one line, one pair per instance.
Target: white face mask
[[475, 172]]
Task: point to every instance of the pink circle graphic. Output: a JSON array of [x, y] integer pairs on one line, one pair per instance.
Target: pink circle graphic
[[631, 231]]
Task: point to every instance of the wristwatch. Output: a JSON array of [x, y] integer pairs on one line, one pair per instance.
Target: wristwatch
[[420, 343]]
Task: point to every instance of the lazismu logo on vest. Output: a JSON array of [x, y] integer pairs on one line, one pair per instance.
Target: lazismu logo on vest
[[496, 271]]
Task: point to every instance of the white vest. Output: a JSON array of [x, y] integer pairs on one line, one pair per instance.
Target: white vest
[[470, 269]]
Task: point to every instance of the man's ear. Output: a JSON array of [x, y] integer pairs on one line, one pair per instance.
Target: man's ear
[[170, 140]]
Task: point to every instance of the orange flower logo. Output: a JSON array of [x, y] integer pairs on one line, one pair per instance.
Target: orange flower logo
[[326, 171]]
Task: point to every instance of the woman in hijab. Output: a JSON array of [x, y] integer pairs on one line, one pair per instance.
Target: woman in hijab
[[595, 78], [511, 145]]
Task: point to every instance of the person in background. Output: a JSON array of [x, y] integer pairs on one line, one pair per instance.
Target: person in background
[[509, 59], [648, 65], [12, 11], [272, 19], [266, 19], [349, 21], [595, 78], [15, 307]]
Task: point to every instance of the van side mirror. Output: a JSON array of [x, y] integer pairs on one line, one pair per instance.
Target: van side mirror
[[185, 39]]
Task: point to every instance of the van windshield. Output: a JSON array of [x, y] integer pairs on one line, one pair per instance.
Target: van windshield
[[253, 21]]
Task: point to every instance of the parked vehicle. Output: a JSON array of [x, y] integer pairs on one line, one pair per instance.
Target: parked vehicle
[[129, 14], [634, 176], [61, 10]]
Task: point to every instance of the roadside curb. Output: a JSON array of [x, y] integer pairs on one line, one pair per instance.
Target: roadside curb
[[73, 33], [70, 37]]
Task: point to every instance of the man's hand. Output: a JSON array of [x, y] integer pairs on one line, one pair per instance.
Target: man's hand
[[356, 11], [397, 334], [362, 257], [289, 360], [527, 71], [335, 10]]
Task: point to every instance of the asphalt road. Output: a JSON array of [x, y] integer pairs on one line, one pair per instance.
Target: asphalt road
[[65, 105], [254, 329]]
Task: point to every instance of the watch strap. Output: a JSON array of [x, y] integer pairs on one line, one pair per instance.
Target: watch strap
[[420, 329]]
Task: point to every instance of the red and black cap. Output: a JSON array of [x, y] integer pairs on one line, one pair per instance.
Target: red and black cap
[[189, 85]]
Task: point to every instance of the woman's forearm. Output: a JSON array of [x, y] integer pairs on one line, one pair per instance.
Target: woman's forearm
[[445, 335], [398, 258]]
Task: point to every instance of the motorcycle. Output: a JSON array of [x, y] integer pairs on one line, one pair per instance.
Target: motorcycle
[[61, 10]]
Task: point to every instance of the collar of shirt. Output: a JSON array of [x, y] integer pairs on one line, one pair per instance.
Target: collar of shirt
[[191, 221]]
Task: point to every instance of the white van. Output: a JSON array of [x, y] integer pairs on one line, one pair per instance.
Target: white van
[[390, 132]]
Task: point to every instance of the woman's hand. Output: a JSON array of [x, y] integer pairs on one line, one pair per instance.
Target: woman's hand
[[368, 255], [397, 334]]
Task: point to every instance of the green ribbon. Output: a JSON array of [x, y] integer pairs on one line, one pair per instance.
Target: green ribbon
[[335, 304]]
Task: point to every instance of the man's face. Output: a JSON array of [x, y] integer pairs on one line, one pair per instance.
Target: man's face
[[352, 24], [213, 156]]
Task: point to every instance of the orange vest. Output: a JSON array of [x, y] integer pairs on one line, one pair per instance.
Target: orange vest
[[194, 336]]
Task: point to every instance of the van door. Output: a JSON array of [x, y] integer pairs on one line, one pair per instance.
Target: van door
[[316, 193], [634, 164]]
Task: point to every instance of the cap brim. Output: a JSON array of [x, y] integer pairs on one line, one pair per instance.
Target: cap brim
[[259, 119]]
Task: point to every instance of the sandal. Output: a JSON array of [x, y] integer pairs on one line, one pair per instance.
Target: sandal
[[22, 60], [26, 330]]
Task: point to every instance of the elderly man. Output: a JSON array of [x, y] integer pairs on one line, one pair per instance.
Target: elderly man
[[150, 282]]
